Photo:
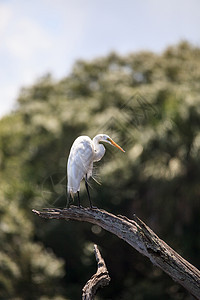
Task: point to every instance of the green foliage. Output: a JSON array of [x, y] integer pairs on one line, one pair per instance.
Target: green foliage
[[27, 269], [150, 105]]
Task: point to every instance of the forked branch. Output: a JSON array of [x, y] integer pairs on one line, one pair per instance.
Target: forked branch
[[136, 233], [99, 279]]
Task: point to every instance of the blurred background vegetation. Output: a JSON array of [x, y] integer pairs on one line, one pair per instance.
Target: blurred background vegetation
[[149, 104]]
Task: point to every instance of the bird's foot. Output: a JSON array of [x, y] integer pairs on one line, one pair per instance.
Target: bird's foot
[[93, 207], [80, 206]]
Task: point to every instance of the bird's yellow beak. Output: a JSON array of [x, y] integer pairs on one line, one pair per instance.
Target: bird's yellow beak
[[116, 145]]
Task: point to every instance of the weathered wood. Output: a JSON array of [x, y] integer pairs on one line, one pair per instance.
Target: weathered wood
[[139, 236], [100, 279]]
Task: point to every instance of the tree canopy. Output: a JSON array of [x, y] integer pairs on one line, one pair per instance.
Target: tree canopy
[[149, 103]]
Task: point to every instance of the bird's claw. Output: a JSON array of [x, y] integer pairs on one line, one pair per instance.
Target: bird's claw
[[93, 207]]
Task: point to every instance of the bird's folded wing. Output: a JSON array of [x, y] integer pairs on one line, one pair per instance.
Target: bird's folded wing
[[79, 163]]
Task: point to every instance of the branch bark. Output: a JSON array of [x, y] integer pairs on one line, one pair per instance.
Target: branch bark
[[99, 279], [136, 233]]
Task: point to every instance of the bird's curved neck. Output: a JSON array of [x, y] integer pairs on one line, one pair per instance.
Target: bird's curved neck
[[99, 149]]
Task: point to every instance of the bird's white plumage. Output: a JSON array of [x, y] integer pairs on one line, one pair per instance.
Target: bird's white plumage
[[80, 162], [83, 153]]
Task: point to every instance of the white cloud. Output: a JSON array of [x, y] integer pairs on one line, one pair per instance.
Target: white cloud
[[5, 16], [36, 37], [27, 39]]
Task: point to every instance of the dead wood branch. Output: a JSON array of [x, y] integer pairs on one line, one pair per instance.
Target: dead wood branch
[[139, 236], [99, 279]]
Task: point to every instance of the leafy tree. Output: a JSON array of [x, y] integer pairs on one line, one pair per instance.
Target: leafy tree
[[149, 103]]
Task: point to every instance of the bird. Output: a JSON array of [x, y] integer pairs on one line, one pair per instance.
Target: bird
[[84, 152]]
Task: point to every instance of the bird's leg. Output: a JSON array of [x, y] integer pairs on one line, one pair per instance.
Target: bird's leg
[[86, 185], [79, 202]]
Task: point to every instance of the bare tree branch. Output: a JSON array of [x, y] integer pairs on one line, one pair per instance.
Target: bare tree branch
[[99, 279], [139, 236]]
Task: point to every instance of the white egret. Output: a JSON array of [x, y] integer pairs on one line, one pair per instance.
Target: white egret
[[83, 153]]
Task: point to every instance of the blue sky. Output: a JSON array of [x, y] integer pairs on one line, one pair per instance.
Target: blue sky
[[40, 36]]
